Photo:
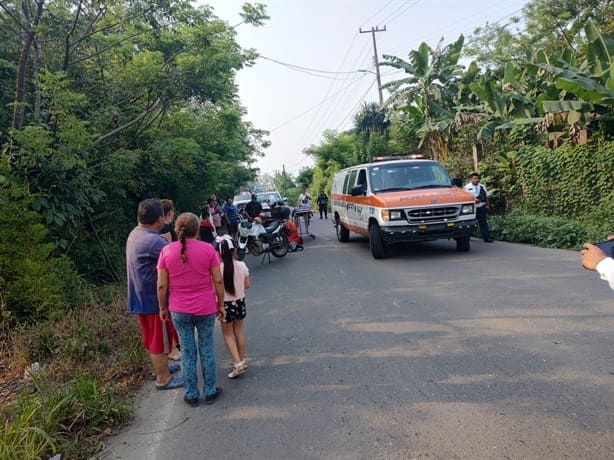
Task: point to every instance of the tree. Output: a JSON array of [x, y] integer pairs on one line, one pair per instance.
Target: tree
[[586, 97], [124, 101], [551, 27], [427, 93]]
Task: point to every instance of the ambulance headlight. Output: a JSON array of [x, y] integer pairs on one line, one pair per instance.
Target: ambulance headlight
[[466, 209], [392, 214]]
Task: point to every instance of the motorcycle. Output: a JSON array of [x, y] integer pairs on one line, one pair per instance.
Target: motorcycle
[[258, 240]]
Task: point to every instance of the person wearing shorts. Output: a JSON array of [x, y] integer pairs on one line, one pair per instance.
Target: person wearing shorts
[[236, 280], [143, 247]]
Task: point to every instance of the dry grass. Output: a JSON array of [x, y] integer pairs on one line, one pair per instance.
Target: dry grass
[[93, 357]]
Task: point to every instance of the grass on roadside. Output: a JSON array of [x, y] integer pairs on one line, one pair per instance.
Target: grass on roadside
[[91, 362]]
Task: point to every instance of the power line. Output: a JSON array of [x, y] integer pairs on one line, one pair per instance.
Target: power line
[[313, 107], [377, 12], [298, 67], [362, 98], [394, 15], [448, 26], [328, 90], [324, 120]]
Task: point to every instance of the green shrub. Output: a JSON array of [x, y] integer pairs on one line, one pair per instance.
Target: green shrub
[[35, 282], [551, 232], [569, 181]]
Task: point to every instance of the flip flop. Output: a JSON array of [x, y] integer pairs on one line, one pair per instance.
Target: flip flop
[[174, 382], [172, 369]]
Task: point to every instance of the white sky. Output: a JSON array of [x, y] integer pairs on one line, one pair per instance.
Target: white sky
[[296, 106]]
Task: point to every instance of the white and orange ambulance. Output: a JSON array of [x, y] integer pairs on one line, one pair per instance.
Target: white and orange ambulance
[[401, 200]]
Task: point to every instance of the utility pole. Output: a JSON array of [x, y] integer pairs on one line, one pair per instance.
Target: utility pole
[[375, 60]]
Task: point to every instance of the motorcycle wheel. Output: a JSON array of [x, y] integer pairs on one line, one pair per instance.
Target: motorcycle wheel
[[240, 254], [279, 247]]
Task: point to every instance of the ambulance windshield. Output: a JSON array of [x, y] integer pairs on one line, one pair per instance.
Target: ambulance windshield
[[407, 176]]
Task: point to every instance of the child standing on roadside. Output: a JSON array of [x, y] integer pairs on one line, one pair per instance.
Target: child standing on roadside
[[236, 279]]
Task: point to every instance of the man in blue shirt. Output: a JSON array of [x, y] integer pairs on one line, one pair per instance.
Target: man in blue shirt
[[230, 214], [142, 250]]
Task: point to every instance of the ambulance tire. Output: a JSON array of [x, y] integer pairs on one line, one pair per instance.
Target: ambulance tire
[[463, 244], [343, 234], [378, 249]]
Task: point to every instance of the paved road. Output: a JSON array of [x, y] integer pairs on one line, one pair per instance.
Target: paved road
[[503, 352]]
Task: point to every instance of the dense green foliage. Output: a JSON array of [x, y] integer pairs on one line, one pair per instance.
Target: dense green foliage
[[533, 113], [111, 103], [540, 230], [568, 181]]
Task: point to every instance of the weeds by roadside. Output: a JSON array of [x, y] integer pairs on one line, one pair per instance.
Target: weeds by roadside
[[91, 361]]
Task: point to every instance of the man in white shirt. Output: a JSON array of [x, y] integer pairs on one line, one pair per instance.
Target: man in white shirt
[[303, 198], [595, 259], [482, 204]]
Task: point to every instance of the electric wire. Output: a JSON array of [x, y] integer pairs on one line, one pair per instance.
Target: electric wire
[[311, 108], [307, 69], [394, 15], [392, 50], [312, 121], [362, 98], [333, 107], [377, 12]]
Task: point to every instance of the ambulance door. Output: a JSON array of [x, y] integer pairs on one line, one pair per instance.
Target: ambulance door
[[341, 198], [361, 210]]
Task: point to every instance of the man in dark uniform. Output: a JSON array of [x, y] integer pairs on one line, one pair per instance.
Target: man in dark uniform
[[323, 204], [253, 208], [482, 204]]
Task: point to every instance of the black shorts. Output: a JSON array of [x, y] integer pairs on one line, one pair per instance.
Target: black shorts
[[235, 309]]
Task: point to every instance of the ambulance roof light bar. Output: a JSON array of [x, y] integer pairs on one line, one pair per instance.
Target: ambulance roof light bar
[[400, 156]]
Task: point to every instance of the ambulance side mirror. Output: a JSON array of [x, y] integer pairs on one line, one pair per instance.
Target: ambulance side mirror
[[358, 190]]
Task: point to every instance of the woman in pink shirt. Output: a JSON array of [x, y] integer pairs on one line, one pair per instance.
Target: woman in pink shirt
[[236, 281], [190, 287]]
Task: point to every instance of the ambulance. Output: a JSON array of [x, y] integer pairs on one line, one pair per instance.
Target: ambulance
[[401, 200]]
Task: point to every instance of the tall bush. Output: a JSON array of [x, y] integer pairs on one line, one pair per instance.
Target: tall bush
[[569, 181], [35, 283]]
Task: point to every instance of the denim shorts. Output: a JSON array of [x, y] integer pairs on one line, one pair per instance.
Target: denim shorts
[[235, 309]]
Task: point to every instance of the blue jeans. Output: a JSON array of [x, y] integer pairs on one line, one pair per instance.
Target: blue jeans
[[185, 324]]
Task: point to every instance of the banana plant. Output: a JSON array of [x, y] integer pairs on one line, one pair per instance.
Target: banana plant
[[503, 104], [427, 93], [586, 90]]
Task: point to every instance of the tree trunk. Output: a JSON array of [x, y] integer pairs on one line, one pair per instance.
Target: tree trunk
[[474, 154], [20, 85]]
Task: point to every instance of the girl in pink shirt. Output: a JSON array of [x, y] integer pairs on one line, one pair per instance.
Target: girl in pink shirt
[[236, 279]]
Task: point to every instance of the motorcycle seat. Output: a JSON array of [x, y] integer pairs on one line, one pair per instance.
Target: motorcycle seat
[[272, 227]]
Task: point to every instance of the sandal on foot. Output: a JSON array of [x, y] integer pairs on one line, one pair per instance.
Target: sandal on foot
[[239, 368], [174, 382], [172, 369]]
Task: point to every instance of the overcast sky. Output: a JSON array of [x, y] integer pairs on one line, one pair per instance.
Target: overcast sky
[[295, 104]]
